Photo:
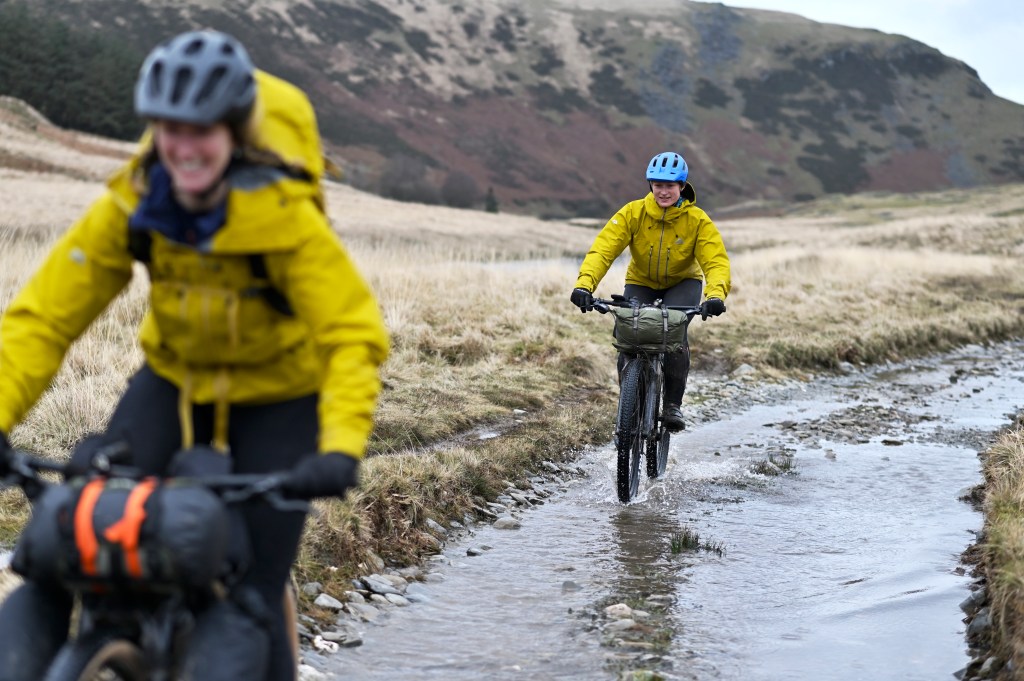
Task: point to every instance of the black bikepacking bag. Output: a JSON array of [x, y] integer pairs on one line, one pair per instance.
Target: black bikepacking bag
[[106, 534]]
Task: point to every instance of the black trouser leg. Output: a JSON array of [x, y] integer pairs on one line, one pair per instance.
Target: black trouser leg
[[268, 438], [677, 364], [261, 439], [34, 623]]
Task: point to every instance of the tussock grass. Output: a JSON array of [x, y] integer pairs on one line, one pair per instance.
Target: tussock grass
[[1003, 548], [689, 539]]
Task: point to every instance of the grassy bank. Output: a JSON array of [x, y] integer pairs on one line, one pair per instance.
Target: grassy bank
[[1003, 552], [477, 305]]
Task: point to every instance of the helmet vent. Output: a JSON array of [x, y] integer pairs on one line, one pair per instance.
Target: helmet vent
[[181, 82], [211, 84], [194, 47], [156, 79]]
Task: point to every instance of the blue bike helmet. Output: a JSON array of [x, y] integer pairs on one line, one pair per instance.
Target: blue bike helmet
[[667, 166], [201, 77]]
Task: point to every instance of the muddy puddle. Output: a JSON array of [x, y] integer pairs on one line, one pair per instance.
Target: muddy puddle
[[839, 560]]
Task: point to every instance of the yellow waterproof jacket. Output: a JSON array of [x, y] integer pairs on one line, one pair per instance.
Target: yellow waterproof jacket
[[208, 330], [666, 245]]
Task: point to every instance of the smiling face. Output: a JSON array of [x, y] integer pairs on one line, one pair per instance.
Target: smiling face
[[195, 156], [666, 193]]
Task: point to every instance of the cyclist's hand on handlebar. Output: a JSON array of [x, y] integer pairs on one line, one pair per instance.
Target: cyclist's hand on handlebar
[[82, 455], [95, 452], [583, 299], [322, 475], [712, 307]]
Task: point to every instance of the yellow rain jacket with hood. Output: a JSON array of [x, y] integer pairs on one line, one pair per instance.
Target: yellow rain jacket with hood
[[209, 329], [666, 245]]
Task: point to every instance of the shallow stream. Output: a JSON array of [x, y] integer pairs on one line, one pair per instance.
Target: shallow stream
[[846, 567]]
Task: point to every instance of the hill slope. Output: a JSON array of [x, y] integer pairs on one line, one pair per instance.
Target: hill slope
[[560, 104]]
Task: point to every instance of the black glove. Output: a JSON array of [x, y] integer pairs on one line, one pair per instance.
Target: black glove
[[322, 475], [712, 307], [5, 448], [82, 455], [582, 299]]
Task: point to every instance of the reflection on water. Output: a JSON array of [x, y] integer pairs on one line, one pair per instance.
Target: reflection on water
[[846, 570]]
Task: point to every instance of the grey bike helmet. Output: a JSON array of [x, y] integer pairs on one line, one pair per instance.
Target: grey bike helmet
[[200, 77]]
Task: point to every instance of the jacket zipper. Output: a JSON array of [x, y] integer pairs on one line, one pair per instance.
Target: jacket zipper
[[650, 259], [661, 240]]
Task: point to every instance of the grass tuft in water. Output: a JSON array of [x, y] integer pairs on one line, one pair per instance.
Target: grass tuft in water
[[775, 464], [689, 540]]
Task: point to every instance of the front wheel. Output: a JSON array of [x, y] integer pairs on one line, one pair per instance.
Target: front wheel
[[657, 455], [100, 657], [629, 441]]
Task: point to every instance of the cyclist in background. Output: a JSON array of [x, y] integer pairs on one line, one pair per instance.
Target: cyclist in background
[[672, 244], [261, 339]]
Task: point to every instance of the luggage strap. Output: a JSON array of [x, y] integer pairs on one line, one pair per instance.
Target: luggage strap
[[125, 532]]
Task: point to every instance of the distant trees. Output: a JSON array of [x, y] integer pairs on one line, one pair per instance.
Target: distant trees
[[460, 190], [75, 79], [491, 201], [407, 178]]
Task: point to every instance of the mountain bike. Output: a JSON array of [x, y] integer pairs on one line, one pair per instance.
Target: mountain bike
[[129, 629], [644, 334]]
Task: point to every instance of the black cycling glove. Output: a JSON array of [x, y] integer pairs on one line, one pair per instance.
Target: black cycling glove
[[322, 475], [712, 307], [583, 299]]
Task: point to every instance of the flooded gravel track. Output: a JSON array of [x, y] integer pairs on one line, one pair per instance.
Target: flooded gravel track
[[846, 567]]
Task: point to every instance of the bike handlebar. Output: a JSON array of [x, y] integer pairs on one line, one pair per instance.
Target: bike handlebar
[[603, 306], [25, 469]]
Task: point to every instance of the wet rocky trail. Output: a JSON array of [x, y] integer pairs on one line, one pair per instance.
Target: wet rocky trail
[[803, 531]]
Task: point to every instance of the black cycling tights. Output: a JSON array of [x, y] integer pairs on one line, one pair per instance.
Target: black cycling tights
[[262, 439], [677, 364]]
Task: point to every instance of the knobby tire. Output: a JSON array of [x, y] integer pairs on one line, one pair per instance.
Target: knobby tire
[[629, 442], [657, 455], [100, 657]]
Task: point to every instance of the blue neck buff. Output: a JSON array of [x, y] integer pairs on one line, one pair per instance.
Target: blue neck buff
[[159, 211]]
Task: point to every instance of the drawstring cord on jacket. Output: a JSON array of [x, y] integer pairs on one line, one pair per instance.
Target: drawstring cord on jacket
[[221, 384]]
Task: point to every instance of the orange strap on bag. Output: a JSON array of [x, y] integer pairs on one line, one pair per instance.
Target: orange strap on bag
[[124, 532], [85, 536]]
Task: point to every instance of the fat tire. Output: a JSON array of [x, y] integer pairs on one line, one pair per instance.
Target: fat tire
[[96, 657], [629, 438]]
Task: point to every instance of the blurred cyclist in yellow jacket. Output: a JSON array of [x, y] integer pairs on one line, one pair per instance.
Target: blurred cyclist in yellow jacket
[[261, 339], [673, 245]]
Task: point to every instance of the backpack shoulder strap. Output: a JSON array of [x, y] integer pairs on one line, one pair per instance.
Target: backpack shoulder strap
[[271, 294], [140, 245]]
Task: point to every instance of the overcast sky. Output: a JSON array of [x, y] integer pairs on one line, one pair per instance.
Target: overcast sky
[[988, 35]]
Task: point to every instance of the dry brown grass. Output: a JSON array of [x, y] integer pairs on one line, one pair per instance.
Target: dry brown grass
[[477, 305], [1003, 555]]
